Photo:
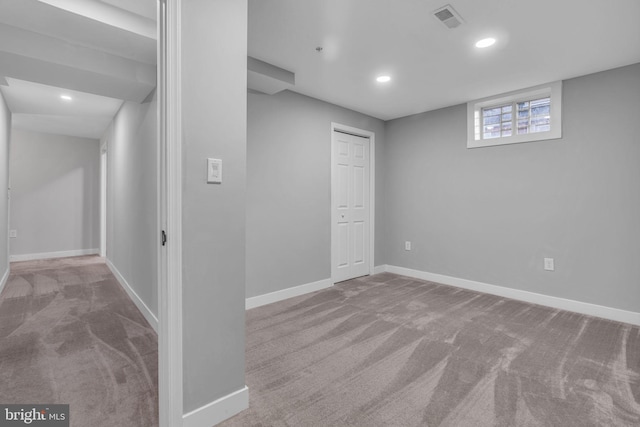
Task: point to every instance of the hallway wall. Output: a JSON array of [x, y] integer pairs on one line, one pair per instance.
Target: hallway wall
[[5, 134], [132, 150], [214, 124], [55, 195]]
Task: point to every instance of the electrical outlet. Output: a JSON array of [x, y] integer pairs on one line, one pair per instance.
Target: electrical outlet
[[13, 234], [548, 264], [407, 246]]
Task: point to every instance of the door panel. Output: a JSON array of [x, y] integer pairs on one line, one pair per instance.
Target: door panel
[[358, 242], [343, 186], [343, 244], [350, 210], [358, 187]]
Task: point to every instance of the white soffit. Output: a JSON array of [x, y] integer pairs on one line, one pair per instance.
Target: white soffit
[[108, 14], [82, 127], [146, 8], [47, 20], [267, 78], [39, 108], [100, 52]]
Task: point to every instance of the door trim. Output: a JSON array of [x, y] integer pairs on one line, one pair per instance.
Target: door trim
[[372, 189], [103, 199], [170, 369]]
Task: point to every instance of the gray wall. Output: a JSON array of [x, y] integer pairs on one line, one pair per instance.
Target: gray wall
[[493, 214], [214, 84], [55, 193], [132, 148], [5, 134], [289, 188]]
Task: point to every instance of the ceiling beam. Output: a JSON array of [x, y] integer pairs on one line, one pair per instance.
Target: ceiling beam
[[108, 14], [267, 78], [34, 57]]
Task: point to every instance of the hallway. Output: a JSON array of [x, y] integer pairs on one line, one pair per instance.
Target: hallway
[[69, 334]]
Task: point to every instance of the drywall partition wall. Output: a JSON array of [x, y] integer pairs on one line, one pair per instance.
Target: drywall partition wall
[[492, 214], [289, 188], [132, 146], [5, 134], [214, 125], [54, 195]]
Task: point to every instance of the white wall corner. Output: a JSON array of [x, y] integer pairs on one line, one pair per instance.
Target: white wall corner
[[526, 296], [283, 294], [380, 269], [49, 255], [5, 278], [219, 410], [146, 312]]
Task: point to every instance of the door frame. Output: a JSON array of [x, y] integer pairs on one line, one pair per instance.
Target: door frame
[[170, 369], [103, 198], [372, 189]]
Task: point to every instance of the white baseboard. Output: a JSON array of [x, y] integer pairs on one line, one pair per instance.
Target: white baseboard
[[283, 294], [58, 254], [546, 300], [5, 278], [218, 410], [379, 269], [146, 312]]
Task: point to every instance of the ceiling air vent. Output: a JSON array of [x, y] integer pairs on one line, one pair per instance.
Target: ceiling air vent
[[448, 16]]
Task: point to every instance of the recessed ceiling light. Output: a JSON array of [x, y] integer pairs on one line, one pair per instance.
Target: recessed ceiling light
[[383, 79], [485, 42], [65, 97]]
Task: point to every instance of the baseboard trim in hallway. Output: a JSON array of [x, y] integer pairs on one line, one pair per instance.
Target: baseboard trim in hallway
[[218, 410], [283, 294], [49, 255], [517, 294], [146, 312]]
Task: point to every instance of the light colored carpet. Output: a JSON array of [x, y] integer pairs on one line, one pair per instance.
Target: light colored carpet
[[392, 351], [69, 334]]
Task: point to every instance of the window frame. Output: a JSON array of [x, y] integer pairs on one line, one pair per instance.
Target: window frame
[[474, 110]]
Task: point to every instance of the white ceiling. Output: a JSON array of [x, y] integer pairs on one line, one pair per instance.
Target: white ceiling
[[107, 48], [432, 66], [98, 52]]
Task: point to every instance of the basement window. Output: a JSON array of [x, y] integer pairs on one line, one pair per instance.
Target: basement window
[[533, 114]]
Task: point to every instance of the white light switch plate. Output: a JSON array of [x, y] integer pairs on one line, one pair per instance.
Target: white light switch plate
[[13, 234], [214, 171], [549, 264]]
